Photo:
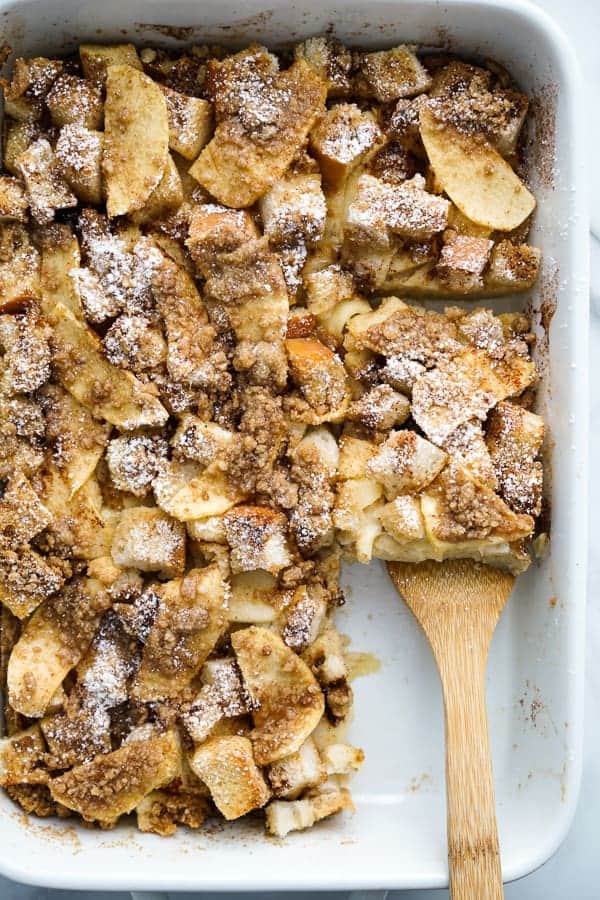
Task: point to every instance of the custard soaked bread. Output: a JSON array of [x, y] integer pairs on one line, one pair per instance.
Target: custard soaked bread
[[214, 390]]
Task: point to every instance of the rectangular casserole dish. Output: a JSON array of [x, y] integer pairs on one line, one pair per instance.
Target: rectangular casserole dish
[[396, 839]]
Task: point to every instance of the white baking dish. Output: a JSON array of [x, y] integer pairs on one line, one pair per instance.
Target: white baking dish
[[397, 836]]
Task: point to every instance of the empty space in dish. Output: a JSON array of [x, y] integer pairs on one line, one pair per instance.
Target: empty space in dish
[[397, 836]]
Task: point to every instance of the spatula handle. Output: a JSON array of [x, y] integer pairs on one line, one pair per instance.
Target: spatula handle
[[473, 849]]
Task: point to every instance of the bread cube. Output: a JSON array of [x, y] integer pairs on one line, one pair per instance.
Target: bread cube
[[330, 60], [203, 442], [293, 210], [341, 140], [401, 372], [459, 510], [327, 288], [405, 463], [223, 676], [228, 79], [192, 357], [97, 304], [513, 267], [354, 456], [466, 387], [75, 101], [17, 138], [355, 514], [190, 122], [107, 253], [26, 353], [465, 94], [389, 74], [257, 536], [26, 580], [514, 441], [23, 758], [13, 200], [283, 816], [239, 165], [342, 759], [96, 59], [191, 618], [22, 514], [134, 461], [320, 376], [79, 156], [31, 81], [203, 714], [19, 267], [295, 773], [392, 163], [462, 261], [381, 408], [211, 530], [315, 459], [214, 230], [47, 190], [402, 519], [467, 446], [304, 616], [147, 539], [160, 812], [319, 449], [226, 765], [25, 414], [134, 342], [407, 210]]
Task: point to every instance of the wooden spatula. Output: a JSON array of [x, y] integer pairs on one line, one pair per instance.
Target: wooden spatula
[[458, 603]]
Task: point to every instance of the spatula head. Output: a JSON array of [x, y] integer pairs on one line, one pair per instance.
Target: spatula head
[[453, 592]]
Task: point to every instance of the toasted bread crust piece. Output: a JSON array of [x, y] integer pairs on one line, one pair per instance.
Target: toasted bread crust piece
[[239, 165]]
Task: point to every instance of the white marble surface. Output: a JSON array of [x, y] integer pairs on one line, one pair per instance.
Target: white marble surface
[[574, 872]]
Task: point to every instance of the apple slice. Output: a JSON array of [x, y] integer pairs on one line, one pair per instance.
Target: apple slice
[[287, 701], [474, 175], [136, 146]]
